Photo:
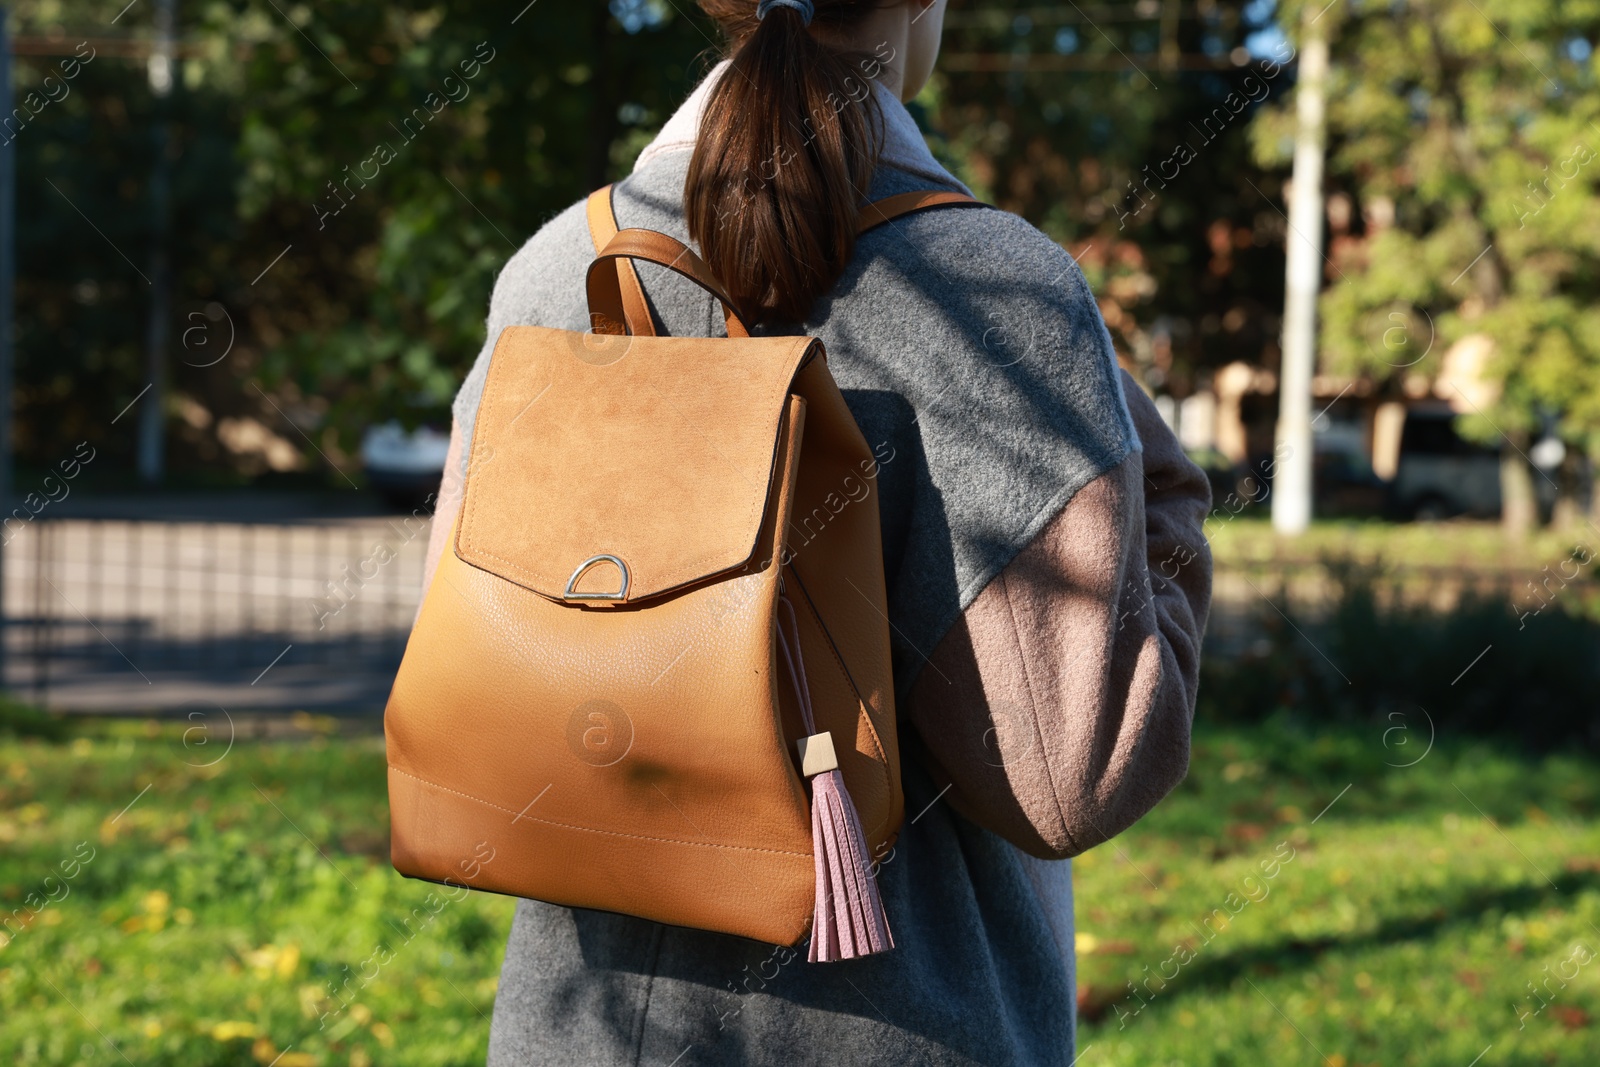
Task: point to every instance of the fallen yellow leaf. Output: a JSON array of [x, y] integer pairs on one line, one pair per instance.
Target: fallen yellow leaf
[[233, 1030]]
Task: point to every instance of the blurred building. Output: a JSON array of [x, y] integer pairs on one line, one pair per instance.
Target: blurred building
[[1381, 446]]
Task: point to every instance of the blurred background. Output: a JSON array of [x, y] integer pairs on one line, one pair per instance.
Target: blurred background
[[1352, 249]]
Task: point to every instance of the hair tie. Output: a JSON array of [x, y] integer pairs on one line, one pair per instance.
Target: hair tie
[[806, 8]]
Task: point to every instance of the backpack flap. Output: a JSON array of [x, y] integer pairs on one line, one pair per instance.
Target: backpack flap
[[603, 473]]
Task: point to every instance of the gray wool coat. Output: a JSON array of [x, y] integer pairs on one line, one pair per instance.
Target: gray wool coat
[[969, 344]]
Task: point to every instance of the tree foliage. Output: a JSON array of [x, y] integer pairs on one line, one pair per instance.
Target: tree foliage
[[1465, 134], [348, 178], [1122, 130]]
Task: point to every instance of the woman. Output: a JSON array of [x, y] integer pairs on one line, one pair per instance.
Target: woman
[[1048, 580]]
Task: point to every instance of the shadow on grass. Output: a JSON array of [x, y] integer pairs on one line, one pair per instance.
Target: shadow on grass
[[23, 720], [1221, 971]]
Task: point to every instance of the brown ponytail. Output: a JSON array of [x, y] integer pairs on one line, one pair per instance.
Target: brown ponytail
[[786, 149]]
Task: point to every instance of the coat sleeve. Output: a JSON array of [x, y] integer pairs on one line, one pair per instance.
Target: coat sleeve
[[1058, 708]]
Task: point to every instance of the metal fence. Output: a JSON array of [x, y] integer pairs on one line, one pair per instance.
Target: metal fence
[[118, 615], [130, 615], [1247, 593]]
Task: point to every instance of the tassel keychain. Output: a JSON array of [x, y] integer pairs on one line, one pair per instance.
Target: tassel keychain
[[849, 919]]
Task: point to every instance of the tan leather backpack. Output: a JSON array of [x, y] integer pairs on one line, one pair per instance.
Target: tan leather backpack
[[663, 614]]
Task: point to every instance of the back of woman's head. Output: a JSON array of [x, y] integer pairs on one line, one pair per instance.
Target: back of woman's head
[[786, 149]]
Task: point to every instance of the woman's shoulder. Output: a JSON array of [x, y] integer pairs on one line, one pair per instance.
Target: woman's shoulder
[[980, 242], [541, 284], [982, 272], [566, 231]]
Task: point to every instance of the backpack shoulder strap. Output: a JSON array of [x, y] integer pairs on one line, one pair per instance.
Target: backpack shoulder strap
[[614, 287], [606, 305], [892, 207], [602, 228]]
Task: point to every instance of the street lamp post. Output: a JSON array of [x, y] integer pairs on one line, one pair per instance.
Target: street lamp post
[[1291, 482]]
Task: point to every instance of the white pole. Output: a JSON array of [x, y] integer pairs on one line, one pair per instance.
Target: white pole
[[8, 267], [161, 71], [1291, 484]]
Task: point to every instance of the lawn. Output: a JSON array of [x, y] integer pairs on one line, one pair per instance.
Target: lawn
[[1310, 899], [1248, 537], [203, 904]]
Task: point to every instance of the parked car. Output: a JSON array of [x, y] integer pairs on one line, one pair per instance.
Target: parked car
[[405, 467], [1441, 474], [1344, 484]]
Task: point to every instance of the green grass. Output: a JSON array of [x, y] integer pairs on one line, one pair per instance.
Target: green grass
[[218, 914], [220, 907], [1249, 538], [1403, 930]]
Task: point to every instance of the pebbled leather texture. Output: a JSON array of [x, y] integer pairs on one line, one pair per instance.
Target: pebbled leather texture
[[639, 755]]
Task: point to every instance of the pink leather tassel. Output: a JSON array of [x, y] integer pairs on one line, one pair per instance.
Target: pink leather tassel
[[849, 920]]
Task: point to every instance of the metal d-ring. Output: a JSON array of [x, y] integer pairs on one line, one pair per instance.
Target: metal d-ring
[[604, 557]]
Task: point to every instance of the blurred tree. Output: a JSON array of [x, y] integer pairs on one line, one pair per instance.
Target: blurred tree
[[84, 151], [405, 154], [1465, 133], [349, 180], [1120, 129]]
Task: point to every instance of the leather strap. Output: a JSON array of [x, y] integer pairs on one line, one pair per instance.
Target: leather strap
[[602, 228], [892, 207], [616, 298], [605, 291]]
